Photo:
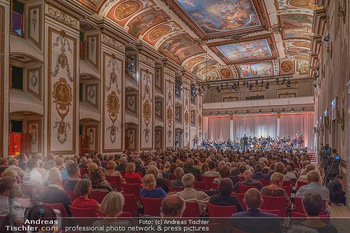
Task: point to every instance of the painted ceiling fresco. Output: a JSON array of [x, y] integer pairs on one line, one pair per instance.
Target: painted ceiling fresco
[[213, 16], [180, 47], [238, 38], [260, 69], [246, 50]]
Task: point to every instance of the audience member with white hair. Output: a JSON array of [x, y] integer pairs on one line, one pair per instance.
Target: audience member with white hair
[[54, 192], [13, 165], [189, 194], [122, 166], [33, 176]]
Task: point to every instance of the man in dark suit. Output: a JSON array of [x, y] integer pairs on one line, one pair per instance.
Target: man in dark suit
[[245, 142], [248, 180], [258, 173], [54, 193], [190, 169], [253, 220]]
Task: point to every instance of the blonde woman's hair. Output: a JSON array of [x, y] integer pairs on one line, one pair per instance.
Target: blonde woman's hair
[[130, 167], [92, 166], [111, 165], [153, 170], [149, 182], [276, 178], [112, 204], [53, 176], [9, 173]]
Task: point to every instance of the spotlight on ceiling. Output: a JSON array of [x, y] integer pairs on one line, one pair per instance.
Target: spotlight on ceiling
[[284, 80], [256, 82], [288, 83], [277, 81], [244, 83], [262, 83], [251, 87], [218, 89], [208, 86], [272, 111], [226, 84], [233, 88], [236, 112], [315, 85], [203, 88], [199, 91], [267, 85], [222, 86], [259, 111], [292, 109], [302, 109]]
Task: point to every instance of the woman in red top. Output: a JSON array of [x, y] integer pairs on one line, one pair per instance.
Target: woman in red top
[[130, 172], [83, 189]]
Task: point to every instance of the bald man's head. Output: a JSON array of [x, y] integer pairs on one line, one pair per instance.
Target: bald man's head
[[173, 206]]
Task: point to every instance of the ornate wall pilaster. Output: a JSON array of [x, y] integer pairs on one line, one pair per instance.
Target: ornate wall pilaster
[[187, 115], [62, 73], [147, 99], [169, 107]]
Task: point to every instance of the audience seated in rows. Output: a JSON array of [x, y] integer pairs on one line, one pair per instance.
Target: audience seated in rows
[[224, 198], [74, 176], [211, 172], [190, 169], [130, 172], [248, 180], [253, 200], [33, 176], [13, 165], [54, 192], [258, 175], [99, 182], [111, 165], [6, 185], [275, 188], [152, 169], [177, 183], [173, 206], [189, 194], [83, 189]]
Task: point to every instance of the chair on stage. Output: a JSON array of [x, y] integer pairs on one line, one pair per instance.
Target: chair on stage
[[220, 211], [192, 210], [116, 180], [274, 203], [151, 206]]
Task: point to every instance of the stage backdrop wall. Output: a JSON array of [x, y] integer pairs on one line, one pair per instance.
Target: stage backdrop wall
[[218, 128]]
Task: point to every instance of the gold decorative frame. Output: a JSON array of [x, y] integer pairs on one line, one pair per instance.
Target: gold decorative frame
[[97, 141], [39, 130], [97, 46], [94, 105], [172, 112], [126, 105], [73, 151]]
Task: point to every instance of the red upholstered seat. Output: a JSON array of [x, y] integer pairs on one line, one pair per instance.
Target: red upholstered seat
[[98, 196], [200, 185], [168, 181], [274, 203], [214, 185], [220, 211], [83, 212], [116, 180], [242, 188], [71, 194], [122, 173], [83, 171], [130, 204], [140, 173], [132, 189], [299, 184], [60, 207], [287, 183], [171, 189], [132, 180], [324, 218], [125, 215], [208, 180], [288, 190], [277, 211], [151, 206], [240, 196], [299, 206], [192, 210]]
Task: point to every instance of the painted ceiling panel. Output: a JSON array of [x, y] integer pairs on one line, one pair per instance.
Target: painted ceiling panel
[[296, 26], [180, 47], [260, 69]]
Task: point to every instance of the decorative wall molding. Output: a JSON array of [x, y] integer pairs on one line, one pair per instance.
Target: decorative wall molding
[[91, 94], [113, 71], [186, 117], [169, 72], [62, 17], [131, 103], [170, 114], [113, 43], [92, 132], [62, 94], [146, 60], [93, 50], [35, 25], [34, 82], [34, 130]]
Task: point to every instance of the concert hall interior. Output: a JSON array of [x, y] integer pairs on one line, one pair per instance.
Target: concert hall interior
[[190, 84]]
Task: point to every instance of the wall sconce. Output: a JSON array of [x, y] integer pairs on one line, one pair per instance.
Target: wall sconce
[[340, 118], [342, 11]]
